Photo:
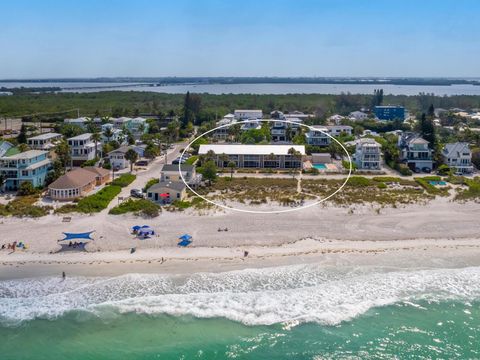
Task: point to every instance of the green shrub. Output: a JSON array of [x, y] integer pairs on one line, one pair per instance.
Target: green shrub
[[404, 170], [100, 200], [139, 207], [473, 191], [124, 180], [191, 160], [359, 181], [90, 162], [444, 170], [26, 188], [382, 185], [23, 206], [150, 183]]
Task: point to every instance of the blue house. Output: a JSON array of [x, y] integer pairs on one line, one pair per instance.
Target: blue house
[[32, 166], [390, 112]]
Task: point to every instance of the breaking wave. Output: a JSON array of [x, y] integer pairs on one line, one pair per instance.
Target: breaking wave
[[307, 293]]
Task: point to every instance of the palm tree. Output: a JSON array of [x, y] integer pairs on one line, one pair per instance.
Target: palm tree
[[232, 167], [132, 156], [223, 158], [108, 132], [295, 154], [96, 137], [3, 178]]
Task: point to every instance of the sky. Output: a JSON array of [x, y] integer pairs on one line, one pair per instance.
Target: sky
[[364, 38]]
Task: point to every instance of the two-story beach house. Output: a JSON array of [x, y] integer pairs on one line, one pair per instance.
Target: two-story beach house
[[45, 141], [458, 157], [117, 157], [170, 172], [222, 133], [367, 154], [414, 152], [248, 114], [32, 166], [82, 148]]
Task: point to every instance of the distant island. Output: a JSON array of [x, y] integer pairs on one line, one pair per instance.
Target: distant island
[[159, 81]]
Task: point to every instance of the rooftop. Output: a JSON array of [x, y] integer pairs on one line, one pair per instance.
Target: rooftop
[[73, 179], [173, 167], [45, 136], [175, 185], [250, 149], [27, 154], [85, 136]]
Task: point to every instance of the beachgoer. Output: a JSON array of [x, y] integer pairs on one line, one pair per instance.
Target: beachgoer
[[63, 275], [245, 253]]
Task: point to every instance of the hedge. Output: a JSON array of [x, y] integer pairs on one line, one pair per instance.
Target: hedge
[[141, 206], [124, 180]]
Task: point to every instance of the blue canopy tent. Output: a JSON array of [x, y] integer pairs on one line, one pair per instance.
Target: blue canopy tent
[[185, 240], [136, 228], [75, 245], [145, 232]]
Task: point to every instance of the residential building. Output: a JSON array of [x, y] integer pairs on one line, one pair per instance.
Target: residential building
[[256, 156], [336, 119], [337, 130], [81, 121], [121, 122], [117, 157], [298, 115], [248, 114], [170, 172], [390, 112], [251, 124], [32, 166], [358, 115], [223, 132], [82, 148], [138, 126], [166, 192], [78, 182], [367, 154], [458, 157], [318, 136], [7, 149], [45, 141], [116, 134], [414, 151], [278, 130]]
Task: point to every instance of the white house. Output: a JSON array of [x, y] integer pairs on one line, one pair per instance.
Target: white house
[[367, 154], [81, 121], [248, 114], [458, 156], [45, 141], [256, 156], [222, 133], [318, 136], [358, 115], [117, 157], [337, 130], [116, 134], [82, 148]]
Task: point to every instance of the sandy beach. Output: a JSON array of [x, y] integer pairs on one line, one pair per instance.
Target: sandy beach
[[417, 235]]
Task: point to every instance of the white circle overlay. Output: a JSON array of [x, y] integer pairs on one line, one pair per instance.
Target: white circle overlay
[[267, 211]]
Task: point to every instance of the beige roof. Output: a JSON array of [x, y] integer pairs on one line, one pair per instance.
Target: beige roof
[[75, 178], [97, 170]]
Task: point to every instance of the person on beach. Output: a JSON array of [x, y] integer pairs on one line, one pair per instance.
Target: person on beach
[[63, 275]]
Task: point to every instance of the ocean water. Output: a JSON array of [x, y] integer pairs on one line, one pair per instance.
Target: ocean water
[[294, 312]]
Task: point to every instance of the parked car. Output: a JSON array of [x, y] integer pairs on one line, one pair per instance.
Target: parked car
[[426, 169], [142, 163], [137, 193], [178, 161]]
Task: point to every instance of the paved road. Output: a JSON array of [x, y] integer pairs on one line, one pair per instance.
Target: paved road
[[153, 171]]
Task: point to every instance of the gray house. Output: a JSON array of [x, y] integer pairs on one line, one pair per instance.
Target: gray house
[[458, 156]]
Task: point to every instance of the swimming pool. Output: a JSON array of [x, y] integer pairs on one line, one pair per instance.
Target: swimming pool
[[319, 166]]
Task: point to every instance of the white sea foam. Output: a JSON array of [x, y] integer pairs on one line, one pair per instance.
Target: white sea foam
[[291, 294]]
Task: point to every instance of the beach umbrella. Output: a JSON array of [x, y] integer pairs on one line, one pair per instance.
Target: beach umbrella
[[185, 237]]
